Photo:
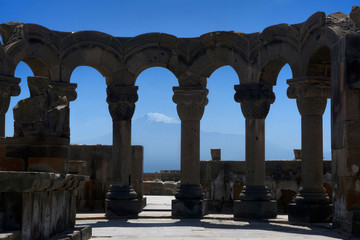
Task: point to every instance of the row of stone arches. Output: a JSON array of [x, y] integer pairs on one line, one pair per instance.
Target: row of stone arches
[[257, 59]]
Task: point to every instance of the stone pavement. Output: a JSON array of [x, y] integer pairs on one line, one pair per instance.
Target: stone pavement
[[156, 223]]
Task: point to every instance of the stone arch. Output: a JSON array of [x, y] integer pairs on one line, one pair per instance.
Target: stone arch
[[148, 58], [319, 63], [221, 49], [102, 52], [151, 50], [271, 58], [216, 58], [39, 57], [36, 45], [317, 52]]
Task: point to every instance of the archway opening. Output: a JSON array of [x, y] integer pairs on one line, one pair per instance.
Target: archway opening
[[283, 123], [223, 124], [90, 120], [22, 71], [91, 137], [222, 127], [282, 136], [156, 126]]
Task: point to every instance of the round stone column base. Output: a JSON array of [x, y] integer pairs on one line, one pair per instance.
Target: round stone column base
[[254, 209], [127, 208], [310, 213], [188, 208]]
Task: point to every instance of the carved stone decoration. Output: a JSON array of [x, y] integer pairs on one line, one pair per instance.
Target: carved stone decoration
[[190, 101], [65, 89], [121, 100], [311, 94], [12, 32], [8, 87], [255, 99], [44, 114]]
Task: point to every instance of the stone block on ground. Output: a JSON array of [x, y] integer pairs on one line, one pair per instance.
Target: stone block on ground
[[188, 208], [310, 213], [127, 208], [255, 209]]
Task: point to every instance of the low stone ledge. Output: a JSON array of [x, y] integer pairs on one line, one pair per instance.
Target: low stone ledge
[[38, 181], [78, 233], [34, 141]]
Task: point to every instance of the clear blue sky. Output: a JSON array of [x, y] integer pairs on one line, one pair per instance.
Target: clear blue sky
[[89, 114]]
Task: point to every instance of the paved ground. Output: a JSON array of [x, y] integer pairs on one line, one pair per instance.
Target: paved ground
[[155, 223]]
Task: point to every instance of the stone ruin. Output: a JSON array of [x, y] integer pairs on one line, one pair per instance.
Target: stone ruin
[[323, 53]]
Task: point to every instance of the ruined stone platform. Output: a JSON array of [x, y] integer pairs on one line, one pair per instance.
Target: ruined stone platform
[[156, 223], [208, 228]]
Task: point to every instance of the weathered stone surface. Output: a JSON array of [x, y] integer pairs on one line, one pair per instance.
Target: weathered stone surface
[[39, 205], [215, 154], [137, 157], [44, 113]]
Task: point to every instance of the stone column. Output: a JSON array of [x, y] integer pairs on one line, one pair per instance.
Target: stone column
[[189, 202], [9, 87], [312, 204], [121, 199], [255, 199]]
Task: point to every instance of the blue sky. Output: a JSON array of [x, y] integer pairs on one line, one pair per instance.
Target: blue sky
[[89, 114]]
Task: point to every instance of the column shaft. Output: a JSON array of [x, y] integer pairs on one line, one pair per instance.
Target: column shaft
[[2, 124], [121, 169], [255, 199], [312, 152], [121, 199], [255, 152], [312, 203], [190, 152]]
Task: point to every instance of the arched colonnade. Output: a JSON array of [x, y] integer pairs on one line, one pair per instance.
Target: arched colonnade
[[310, 48]]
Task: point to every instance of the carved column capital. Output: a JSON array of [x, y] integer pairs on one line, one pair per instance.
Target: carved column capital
[[191, 101], [255, 99], [65, 89], [311, 94], [9, 86], [121, 100]]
